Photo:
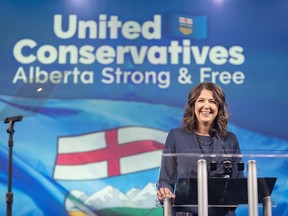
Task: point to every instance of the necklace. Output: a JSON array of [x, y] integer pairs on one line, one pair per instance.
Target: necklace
[[204, 144]]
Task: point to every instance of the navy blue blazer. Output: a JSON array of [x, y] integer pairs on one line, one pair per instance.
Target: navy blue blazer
[[180, 141]]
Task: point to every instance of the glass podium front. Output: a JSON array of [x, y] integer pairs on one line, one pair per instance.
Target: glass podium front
[[224, 181]]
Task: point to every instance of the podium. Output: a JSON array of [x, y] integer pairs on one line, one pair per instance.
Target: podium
[[221, 191], [204, 182]]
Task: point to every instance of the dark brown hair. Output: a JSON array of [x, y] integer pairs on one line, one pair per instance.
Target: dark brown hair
[[221, 121]]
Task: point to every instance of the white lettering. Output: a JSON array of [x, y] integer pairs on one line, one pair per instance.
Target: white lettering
[[107, 28], [218, 55], [19, 48], [71, 29], [26, 51], [47, 54], [37, 75], [236, 56], [111, 76], [224, 77]]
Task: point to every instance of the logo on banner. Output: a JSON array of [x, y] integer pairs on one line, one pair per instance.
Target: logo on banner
[[186, 25], [109, 153], [182, 25]]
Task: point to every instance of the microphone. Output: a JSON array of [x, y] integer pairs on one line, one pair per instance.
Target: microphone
[[213, 132], [226, 163], [13, 119]]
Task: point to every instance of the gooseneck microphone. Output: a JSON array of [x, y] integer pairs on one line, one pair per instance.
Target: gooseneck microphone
[[212, 132], [226, 163]]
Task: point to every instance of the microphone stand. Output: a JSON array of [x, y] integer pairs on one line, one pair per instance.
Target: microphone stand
[[10, 130]]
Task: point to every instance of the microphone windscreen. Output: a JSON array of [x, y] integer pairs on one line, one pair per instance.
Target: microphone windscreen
[[212, 132]]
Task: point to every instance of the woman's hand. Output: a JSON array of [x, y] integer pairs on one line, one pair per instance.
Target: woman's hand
[[164, 192]]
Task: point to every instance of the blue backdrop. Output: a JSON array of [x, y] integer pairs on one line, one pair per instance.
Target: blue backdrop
[[90, 76]]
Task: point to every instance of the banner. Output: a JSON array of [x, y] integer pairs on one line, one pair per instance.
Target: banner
[[99, 86]]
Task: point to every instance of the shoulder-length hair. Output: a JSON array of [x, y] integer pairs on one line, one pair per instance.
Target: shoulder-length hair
[[220, 122]]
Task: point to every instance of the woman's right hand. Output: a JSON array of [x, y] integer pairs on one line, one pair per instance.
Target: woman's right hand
[[164, 192]]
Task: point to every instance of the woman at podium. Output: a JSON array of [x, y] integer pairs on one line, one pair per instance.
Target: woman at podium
[[203, 131]]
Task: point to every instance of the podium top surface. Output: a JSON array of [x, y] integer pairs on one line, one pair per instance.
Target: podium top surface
[[228, 153]]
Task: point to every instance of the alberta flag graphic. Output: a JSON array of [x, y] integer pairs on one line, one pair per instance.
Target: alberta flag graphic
[[183, 25], [108, 153]]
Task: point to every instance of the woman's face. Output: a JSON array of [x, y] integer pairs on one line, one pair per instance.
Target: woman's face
[[206, 108]]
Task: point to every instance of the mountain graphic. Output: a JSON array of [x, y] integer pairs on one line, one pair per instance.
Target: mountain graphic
[[110, 197]]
